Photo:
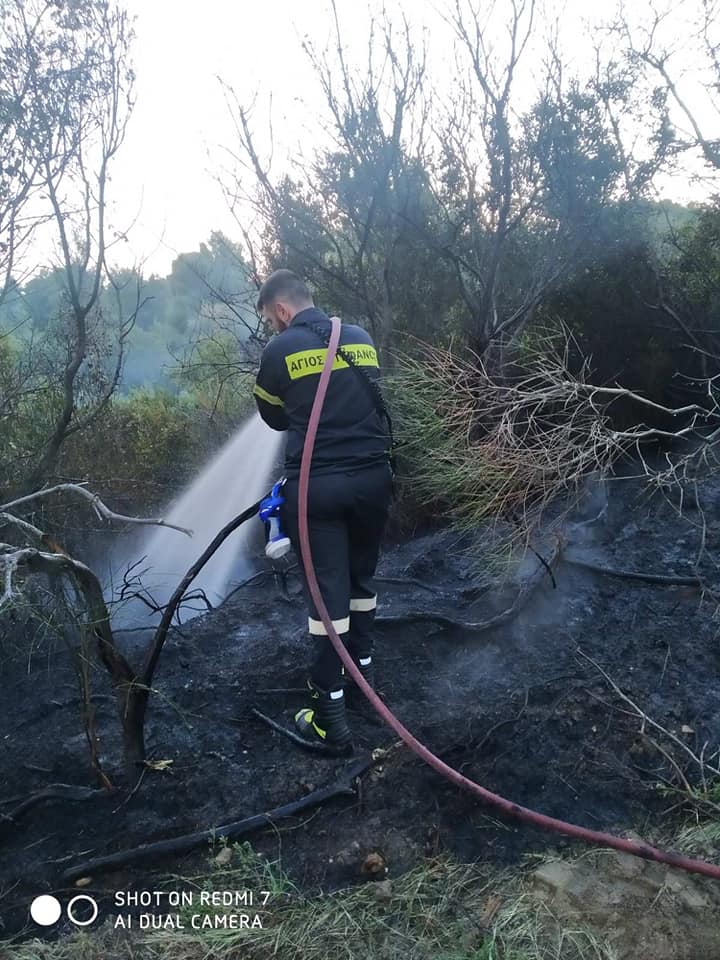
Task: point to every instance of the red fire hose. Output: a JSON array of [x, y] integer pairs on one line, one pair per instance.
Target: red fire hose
[[637, 848]]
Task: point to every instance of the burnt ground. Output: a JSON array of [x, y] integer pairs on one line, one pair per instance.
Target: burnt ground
[[514, 708]]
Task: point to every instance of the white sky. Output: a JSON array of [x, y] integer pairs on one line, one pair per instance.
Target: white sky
[[180, 122], [164, 171]]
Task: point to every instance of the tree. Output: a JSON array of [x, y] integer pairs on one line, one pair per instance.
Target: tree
[[220, 352], [654, 43], [348, 220], [523, 172], [688, 285], [65, 100], [92, 618], [437, 214]]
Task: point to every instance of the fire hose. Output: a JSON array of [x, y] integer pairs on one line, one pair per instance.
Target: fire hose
[[635, 847]]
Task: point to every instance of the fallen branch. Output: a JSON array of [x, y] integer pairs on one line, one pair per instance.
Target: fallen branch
[[513, 445], [343, 786], [409, 582], [480, 626], [246, 583], [667, 580], [547, 566], [54, 791], [308, 745], [276, 573], [102, 511], [673, 763], [27, 528]]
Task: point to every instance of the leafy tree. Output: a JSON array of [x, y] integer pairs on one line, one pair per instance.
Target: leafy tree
[[446, 217], [689, 286]]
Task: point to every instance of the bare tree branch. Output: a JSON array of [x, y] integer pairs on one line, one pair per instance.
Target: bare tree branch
[[98, 506]]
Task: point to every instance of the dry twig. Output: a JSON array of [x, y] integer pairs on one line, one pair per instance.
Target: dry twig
[[704, 767]]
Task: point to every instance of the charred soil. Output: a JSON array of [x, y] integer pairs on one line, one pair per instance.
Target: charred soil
[[515, 708]]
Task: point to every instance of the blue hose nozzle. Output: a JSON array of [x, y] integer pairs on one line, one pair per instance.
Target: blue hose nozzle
[[278, 544]]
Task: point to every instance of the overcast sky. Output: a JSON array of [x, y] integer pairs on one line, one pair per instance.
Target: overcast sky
[[180, 123], [164, 171]]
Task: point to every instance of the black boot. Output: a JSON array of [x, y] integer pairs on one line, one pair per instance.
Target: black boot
[[367, 669], [325, 720], [357, 701]]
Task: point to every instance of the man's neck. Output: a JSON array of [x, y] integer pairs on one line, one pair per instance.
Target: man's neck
[[301, 314]]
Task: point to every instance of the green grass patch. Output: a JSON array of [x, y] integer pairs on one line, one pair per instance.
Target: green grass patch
[[441, 910]]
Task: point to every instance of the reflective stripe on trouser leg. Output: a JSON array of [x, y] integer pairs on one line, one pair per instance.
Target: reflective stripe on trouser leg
[[362, 604], [317, 627], [327, 532], [362, 622], [327, 671]]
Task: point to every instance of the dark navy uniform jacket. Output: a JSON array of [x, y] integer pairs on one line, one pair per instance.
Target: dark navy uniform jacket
[[351, 434]]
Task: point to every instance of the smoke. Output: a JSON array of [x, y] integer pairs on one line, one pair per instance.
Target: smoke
[[495, 658]]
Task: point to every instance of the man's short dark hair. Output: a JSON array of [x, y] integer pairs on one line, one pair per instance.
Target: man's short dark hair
[[283, 284]]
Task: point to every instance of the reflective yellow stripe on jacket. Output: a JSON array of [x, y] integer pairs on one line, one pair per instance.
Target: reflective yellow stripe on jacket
[[267, 397], [305, 362]]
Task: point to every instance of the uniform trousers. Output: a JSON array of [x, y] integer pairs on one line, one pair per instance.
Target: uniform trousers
[[347, 515]]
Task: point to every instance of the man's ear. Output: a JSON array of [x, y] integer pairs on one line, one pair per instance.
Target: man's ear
[[283, 312]]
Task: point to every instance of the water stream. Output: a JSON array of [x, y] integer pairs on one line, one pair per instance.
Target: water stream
[[240, 473]]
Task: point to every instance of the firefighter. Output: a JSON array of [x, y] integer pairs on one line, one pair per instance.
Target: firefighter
[[350, 485]]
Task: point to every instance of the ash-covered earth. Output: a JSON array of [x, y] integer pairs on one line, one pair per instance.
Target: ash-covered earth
[[517, 708]]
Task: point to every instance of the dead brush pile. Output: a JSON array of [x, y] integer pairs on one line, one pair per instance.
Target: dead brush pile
[[484, 446]]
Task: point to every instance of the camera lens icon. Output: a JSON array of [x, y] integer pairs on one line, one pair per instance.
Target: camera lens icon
[[82, 910], [72, 906]]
